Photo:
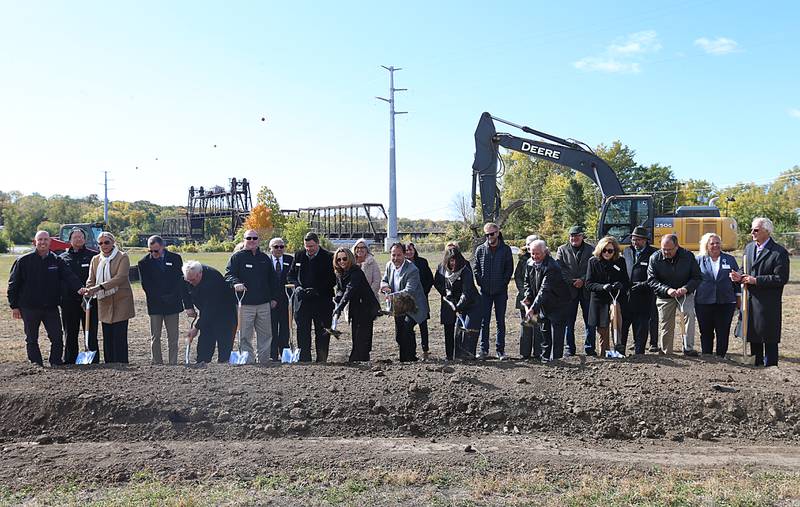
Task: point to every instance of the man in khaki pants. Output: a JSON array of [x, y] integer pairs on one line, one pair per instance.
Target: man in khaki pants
[[673, 274], [167, 296], [251, 271]]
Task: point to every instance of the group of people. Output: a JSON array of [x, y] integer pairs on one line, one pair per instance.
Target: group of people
[[640, 288]]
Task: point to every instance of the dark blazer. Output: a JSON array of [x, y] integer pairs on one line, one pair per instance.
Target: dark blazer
[[165, 290], [352, 288], [287, 262], [519, 278], [317, 277], [214, 299], [462, 293], [575, 268], [720, 289], [546, 288], [771, 270], [598, 274], [640, 296]]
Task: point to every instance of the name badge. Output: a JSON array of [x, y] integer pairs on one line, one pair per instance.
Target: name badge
[[84, 265], [617, 267], [52, 268], [298, 264], [248, 265], [726, 266], [168, 263], [643, 263]]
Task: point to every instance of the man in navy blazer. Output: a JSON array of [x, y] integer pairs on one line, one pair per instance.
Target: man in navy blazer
[[766, 271], [717, 297]]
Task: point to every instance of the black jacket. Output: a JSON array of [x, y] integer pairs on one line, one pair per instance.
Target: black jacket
[[600, 273], [519, 278], [318, 279], [214, 298], [78, 262], [425, 274], [640, 295], [256, 272], [162, 281], [462, 293], [287, 262], [679, 271], [546, 288], [771, 270], [493, 270], [38, 282], [352, 288]]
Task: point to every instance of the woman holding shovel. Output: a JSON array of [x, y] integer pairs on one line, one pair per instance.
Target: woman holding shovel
[[352, 289], [607, 279], [460, 312]]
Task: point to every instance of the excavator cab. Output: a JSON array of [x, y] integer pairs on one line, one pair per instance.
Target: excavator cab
[[622, 213]]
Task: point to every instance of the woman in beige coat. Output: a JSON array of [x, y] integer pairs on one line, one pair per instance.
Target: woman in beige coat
[[108, 281], [366, 261]]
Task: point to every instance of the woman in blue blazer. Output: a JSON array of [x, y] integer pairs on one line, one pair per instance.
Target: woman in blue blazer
[[717, 297]]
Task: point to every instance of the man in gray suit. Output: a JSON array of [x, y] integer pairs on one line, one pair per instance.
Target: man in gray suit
[[574, 256], [402, 277]]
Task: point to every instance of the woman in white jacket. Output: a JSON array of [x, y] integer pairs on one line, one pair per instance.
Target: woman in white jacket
[[366, 261]]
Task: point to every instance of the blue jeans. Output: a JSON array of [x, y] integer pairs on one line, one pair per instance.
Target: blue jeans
[[589, 331], [500, 301]]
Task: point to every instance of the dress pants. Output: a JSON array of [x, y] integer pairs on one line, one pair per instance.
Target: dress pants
[[766, 354], [530, 340], [115, 342], [552, 332], [280, 330], [640, 322], [171, 323], [361, 332], [320, 315], [404, 336], [215, 333], [32, 318], [74, 320], [666, 322], [256, 318], [715, 320]]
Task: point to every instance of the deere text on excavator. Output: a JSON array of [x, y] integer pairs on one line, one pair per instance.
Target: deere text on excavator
[[620, 212]]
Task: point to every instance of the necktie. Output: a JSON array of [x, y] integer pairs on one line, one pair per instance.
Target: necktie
[[278, 265]]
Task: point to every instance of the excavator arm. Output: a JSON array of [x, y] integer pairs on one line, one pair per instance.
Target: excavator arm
[[559, 151]]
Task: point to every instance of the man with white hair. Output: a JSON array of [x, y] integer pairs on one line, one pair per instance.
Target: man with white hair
[[547, 295], [765, 272], [528, 343], [214, 299], [280, 315], [34, 290]]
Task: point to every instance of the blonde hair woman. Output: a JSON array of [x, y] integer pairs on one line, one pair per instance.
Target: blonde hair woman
[[717, 297], [606, 275], [366, 261], [108, 281]]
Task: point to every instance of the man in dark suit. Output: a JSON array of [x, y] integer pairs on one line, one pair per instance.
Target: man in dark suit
[[766, 271], [547, 295], [574, 257], [314, 279], [167, 296], [640, 306], [280, 315], [214, 298]]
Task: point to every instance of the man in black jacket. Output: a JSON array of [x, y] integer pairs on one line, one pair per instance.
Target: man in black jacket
[[494, 267], [73, 316], [34, 291], [574, 256], [639, 309], [673, 274], [280, 316], [214, 298], [251, 271], [314, 280], [767, 272], [547, 295], [167, 296]]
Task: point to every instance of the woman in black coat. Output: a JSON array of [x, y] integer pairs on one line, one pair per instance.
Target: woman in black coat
[[607, 279], [426, 279], [352, 288], [456, 284]]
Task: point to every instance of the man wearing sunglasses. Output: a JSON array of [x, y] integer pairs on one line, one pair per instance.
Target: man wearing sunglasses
[[167, 296], [494, 267], [280, 316], [767, 272], [250, 271], [674, 275]]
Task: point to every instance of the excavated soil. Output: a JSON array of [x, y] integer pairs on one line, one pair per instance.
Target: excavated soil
[[106, 422]]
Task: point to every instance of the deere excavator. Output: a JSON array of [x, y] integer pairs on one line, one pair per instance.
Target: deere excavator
[[620, 212]]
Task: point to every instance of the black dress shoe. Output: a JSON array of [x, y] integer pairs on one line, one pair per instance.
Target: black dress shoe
[[654, 348], [690, 353]]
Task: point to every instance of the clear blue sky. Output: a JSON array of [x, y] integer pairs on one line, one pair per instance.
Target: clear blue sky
[[711, 88]]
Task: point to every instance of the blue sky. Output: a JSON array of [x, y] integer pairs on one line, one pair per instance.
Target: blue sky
[[711, 88]]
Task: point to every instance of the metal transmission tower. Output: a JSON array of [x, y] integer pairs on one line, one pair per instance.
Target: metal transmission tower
[[105, 197], [392, 236]]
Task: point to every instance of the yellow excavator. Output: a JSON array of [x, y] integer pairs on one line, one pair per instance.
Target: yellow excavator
[[620, 212]]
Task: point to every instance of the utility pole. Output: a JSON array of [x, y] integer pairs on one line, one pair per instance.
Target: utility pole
[[391, 229], [105, 197]]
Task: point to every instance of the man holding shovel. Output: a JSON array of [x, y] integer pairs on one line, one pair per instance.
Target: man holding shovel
[[214, 298], [251, 271]]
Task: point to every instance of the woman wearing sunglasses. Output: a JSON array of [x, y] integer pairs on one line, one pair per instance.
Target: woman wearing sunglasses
[[352, 288], [108, 280], [607, 279]]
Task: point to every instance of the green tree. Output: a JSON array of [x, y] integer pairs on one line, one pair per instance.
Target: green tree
[[267, 197], [23, 216], [574, 204], [294, 230], [695, 192]]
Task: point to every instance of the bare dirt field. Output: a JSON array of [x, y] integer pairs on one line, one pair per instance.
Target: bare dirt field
[[662, 430]]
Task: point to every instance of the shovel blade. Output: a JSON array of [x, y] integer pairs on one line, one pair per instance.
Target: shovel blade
[[290, 356], [86, 357], [238, 358]]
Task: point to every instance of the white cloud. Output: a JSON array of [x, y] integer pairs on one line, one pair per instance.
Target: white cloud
[[718, 46], [623, 56], [794, 112]]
